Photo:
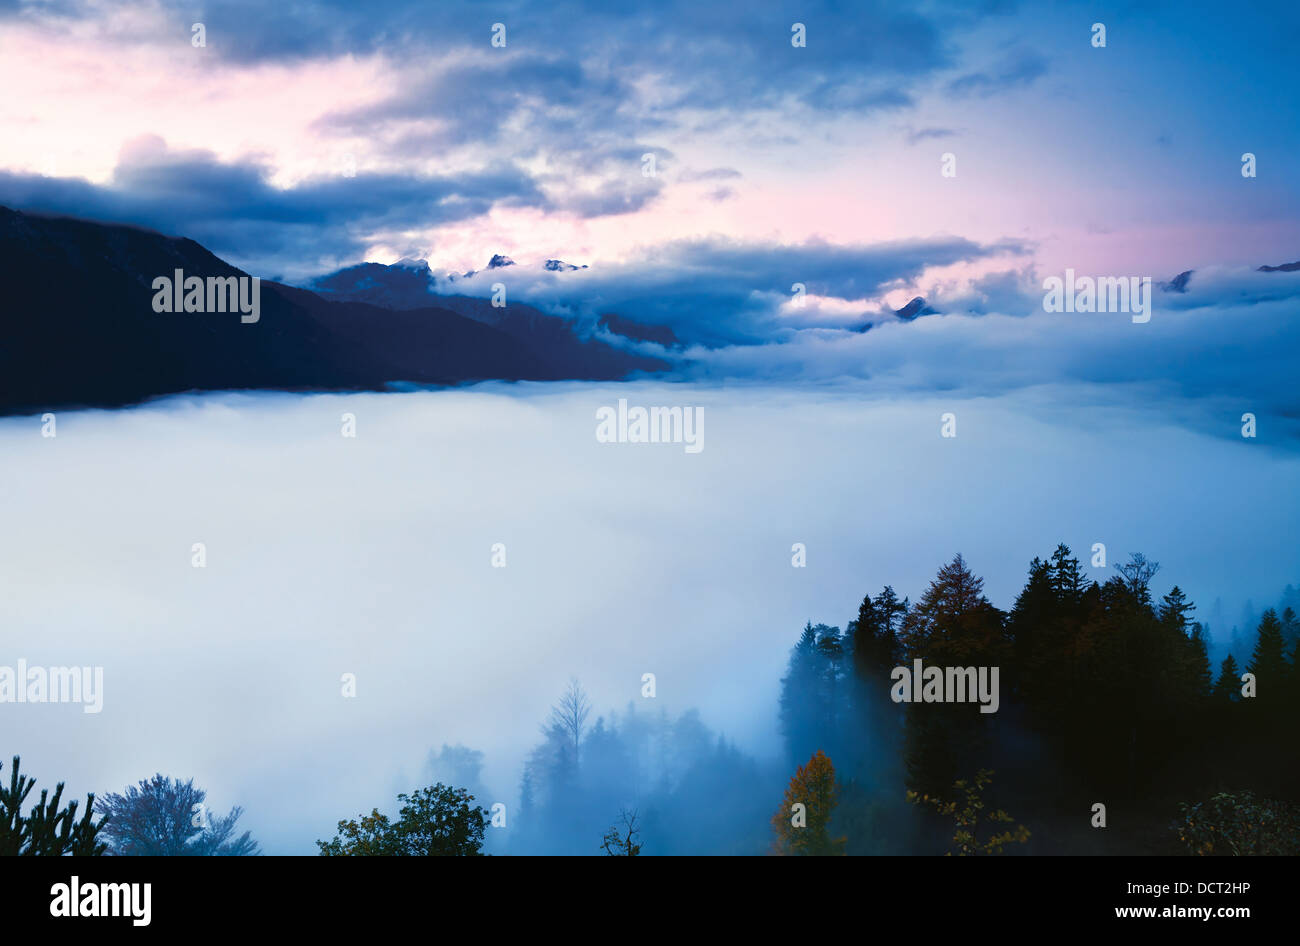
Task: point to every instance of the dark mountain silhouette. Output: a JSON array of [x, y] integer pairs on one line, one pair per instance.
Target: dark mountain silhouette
[[1179, 282], [78, 329], [411, 284], [914, 309], [639, 331], [917, 307]]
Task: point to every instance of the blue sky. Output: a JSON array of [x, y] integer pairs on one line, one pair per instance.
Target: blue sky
[[1100, 159]]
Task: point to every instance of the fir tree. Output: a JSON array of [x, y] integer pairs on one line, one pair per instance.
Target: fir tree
[[1228, 685], [1268, 662]]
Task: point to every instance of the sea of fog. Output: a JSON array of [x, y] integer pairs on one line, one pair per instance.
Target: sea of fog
[[373, 555]]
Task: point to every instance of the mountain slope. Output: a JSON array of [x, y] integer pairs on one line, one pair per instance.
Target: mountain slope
[[410, 284], [77, 328]]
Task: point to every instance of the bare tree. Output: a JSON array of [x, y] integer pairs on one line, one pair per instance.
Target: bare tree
[[621, 839], [570, 715], [1138, 573]]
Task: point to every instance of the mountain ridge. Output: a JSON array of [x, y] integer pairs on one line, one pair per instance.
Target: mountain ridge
[[78, 329]]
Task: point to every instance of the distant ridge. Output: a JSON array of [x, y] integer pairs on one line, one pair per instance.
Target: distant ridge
[[78, 329]]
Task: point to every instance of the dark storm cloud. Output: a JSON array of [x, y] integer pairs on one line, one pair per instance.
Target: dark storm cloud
[[583, 54], [581, 90], [233, 209]]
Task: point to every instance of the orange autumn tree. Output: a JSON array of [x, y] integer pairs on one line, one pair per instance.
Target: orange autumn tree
[[802, 825]]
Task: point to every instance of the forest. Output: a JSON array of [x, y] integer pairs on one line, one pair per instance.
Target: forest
[[1111, 732]]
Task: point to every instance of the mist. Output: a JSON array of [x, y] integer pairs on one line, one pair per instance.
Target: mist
[[328, 555]]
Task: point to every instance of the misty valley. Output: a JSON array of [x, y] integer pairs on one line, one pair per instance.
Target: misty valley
[[508, 666]]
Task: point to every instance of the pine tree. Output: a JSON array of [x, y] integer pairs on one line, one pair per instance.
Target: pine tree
[[800, 680], [1200, 662], [49, 829], [874, 645], [1228, 685], [830, 647], [1290, 626], [1031, 627], [1175, 611], [952, 610], [1294, 687], [1268, 663], [1184, 644], [1066, 576], [526, 801]]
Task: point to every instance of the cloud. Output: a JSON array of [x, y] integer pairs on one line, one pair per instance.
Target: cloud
[[720, 291], [712, 174], [1223, 348], [576, 81], [926, 134], [1023, 70], [233, 209]]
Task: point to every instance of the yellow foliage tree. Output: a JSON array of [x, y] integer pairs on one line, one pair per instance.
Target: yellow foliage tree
[[802, 825], [968, 813]]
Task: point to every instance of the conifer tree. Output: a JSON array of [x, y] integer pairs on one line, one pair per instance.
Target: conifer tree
[[49, 829], [1228, 685], [1175, 610], [1066, 576], [1268, 662], [1200, 662]]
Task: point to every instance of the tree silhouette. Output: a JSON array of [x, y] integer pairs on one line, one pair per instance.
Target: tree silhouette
[[1268, 662], [48, 830], [162, 817], [1228, 685], [1138, 572], [623, 839], [438, 821], [570, 715]]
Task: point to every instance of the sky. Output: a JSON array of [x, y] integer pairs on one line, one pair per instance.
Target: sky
[[298, 140]]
